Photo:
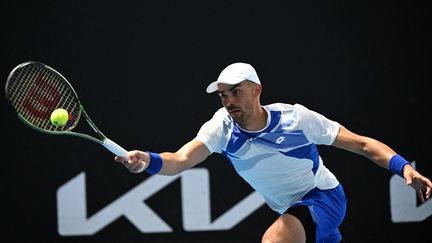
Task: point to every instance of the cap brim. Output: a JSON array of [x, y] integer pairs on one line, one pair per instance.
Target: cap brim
[[214, 86]]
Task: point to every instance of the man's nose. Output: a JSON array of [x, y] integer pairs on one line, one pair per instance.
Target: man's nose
[[229, 100]]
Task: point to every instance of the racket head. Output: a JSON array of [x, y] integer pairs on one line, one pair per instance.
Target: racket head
[[35, 90]]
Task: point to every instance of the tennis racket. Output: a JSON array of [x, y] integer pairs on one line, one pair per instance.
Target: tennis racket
[[35, 90]]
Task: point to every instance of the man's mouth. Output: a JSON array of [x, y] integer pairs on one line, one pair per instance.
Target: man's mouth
[[234, 110]]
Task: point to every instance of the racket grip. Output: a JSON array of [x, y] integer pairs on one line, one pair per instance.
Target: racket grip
[[115, 148]]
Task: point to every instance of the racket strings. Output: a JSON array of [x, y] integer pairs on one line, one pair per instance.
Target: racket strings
[[36, 91], [45, 97]]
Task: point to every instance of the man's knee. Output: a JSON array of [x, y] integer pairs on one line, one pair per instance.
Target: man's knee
[[286, 228]]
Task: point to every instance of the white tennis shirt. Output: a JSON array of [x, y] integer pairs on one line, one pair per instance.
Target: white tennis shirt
[[281, 161]]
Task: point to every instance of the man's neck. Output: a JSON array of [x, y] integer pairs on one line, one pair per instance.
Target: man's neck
[[257, 121]]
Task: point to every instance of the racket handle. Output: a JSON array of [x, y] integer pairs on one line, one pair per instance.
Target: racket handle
[[115, 148]]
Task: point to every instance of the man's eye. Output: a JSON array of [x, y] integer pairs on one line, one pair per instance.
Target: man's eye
[[222, 95], [235, 92]]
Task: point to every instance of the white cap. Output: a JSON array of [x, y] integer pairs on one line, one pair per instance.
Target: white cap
[[234, 74]]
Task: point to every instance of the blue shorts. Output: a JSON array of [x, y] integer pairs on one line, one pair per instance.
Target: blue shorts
[[327, 208]]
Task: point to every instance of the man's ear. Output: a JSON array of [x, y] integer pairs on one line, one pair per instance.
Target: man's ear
[[258, 89]]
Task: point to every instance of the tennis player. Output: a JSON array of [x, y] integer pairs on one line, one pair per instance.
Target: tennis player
[[274, 148]]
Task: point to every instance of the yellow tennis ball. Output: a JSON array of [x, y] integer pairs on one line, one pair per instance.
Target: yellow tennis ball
[[59, 117]]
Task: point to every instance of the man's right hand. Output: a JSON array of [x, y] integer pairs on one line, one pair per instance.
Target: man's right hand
[[136, 162]]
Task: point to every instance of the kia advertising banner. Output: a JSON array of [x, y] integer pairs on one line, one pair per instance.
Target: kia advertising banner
[[141, 68]]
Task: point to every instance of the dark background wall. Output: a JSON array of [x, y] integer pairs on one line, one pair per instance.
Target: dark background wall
[[141, 68]]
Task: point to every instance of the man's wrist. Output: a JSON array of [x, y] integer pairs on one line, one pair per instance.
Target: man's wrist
[[397, 164], [156, 162]]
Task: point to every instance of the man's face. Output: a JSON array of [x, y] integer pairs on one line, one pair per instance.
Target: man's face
[[239, 100]]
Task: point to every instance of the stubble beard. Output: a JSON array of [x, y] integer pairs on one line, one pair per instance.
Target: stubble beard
[[241, 119]]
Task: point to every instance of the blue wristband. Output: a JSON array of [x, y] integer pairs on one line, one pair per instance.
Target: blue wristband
[[397, 163], [155, 163]]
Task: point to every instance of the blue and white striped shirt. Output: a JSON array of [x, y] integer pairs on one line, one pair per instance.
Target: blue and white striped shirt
[[281, 161]]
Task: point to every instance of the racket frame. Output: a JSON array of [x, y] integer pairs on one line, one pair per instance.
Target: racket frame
[[102, 140]]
